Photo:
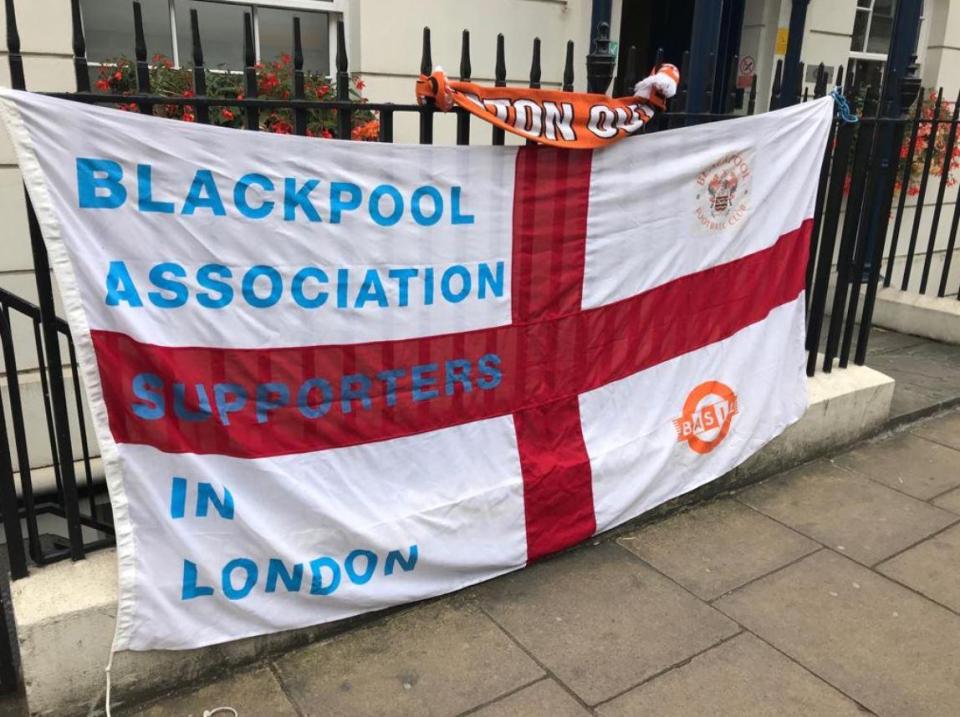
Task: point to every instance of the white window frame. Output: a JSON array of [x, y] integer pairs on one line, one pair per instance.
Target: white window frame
[[335, 9], [881, 56]]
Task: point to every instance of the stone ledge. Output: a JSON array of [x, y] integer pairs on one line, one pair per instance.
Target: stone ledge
[[65, 612], [909, 313]]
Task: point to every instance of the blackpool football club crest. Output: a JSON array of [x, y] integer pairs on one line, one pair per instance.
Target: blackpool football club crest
[[723, 193]]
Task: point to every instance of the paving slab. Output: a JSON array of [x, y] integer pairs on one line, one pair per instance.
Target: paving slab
[[256, 692], [439, 659], [717, 547], [854, 515], [542, 698], [743, 676], [884, 341], [949, 501], [907, 463], [602, 620], [888, 648], [945, 430], [931, 567], [915, 393]]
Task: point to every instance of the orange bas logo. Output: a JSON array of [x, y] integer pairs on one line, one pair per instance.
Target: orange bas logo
[[707, 415], [722, 191]]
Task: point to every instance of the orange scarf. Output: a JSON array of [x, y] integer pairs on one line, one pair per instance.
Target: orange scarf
[[576, 120]]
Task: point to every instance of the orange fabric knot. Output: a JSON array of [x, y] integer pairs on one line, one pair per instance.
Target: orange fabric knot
[[436, 88]]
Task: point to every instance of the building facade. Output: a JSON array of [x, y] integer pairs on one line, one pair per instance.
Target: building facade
[[384, 47]]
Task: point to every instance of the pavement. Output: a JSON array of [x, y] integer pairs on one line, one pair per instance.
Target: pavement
[[927, 373], [832, 589]]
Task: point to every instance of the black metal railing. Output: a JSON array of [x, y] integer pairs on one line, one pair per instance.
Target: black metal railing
[[847, 244], [931, 154]]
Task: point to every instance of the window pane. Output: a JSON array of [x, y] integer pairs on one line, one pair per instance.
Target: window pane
[[221, 33], [859, 39], [108, 28], [883, 8], [276, 37], [880, 30]]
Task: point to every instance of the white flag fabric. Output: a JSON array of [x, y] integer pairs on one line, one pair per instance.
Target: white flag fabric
[[329, 377]]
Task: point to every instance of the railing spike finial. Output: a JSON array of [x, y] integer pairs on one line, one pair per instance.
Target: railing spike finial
[[143, 69], [752, 100], [463, 117], [344, 117], [79, 43], [499, 80], [140, 42], [249, 49], [80, 71], [630, 74], [500, 71], [426, 56], [199, 73], [299, 85], [343, 62], [568, 68], [195, 38], [731, 98], [13, 34], [297, 45], [466, 71], [535, 71], [250, 89], [775, 89]]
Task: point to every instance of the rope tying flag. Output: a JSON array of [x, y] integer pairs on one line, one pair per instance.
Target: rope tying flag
[[573, 120]]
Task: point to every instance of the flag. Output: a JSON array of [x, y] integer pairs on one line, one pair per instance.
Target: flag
[[330, 377]]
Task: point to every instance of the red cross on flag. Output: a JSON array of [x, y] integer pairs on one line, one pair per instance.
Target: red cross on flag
[[330, 377]]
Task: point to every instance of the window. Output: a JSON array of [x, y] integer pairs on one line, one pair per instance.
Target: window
[[108, 27], [872, 26], [872, 30]]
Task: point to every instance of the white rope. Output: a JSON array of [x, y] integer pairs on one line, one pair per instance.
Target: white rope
[[107, 671], [206, 713]]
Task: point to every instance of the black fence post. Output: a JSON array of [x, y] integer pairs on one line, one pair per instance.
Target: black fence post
[[600, 61], [80, 70], [463, 117], [199, 71], [250, 89], [299, 89], [143, 69], [426, 111], [8, 507], [499, 80], [41, 264], [792, 72], [704, 41], [938, 206], [344, 116], [568, 68], [898, 85]]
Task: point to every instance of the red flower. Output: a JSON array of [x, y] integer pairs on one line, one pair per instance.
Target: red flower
[[103, 85], [118, 75], [326, 134], [360, 84], [285, 58], [188, 93], [228, 115]]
